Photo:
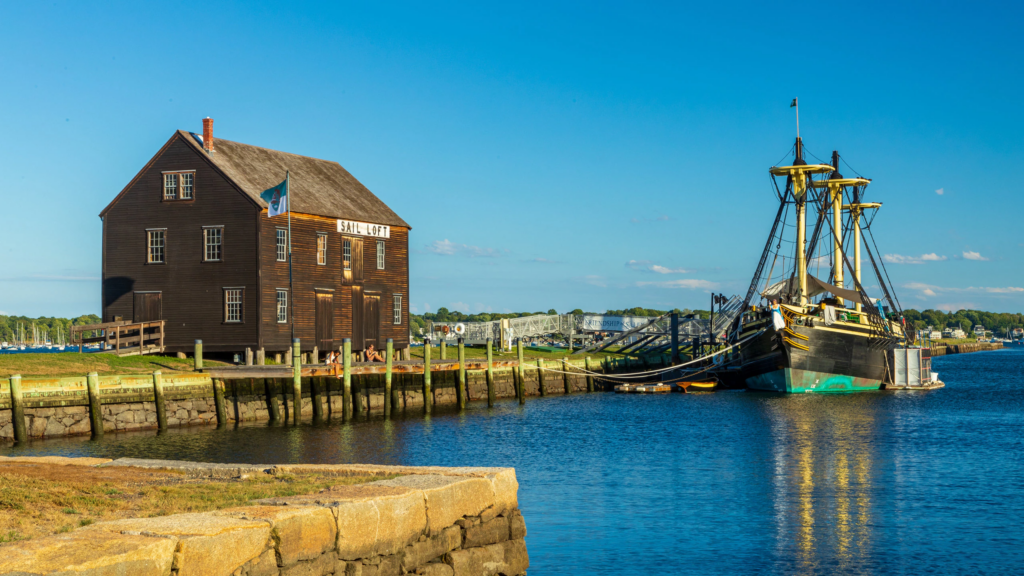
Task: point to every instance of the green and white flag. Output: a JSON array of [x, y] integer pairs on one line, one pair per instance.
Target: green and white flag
[[277, 197]]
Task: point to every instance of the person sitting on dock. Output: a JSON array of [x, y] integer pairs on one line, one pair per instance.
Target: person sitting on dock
[[372, 355], [332, 357]]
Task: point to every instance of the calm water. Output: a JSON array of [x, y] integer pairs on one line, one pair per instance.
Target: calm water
[[714, 483]]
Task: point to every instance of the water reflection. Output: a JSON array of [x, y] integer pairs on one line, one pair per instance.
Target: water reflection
[[823, 482]]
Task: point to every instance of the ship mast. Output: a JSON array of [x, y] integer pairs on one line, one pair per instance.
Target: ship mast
[[856, 209], [835, 186], [798, 174]]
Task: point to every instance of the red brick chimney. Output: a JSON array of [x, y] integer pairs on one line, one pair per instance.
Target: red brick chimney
[[208, 134]]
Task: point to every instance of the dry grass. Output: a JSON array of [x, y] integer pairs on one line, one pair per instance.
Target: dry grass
[[75, 364], [42, 499]]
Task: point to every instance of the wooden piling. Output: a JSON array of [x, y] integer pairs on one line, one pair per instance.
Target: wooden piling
[[540, 376], [261, 357], [565, 376], [296, 381], [197, 355], [426, 377], [314, 358], [444, 349], [95, 411], [315, 386], [273, 408], [18, 409], [590, 376], [218, 402], [346, 362], [158, 401], [248, 356], [490, 375], [460, 386], [521, 388], [388, 398]]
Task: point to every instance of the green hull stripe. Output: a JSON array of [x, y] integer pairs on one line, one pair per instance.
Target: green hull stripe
[[795, 381]]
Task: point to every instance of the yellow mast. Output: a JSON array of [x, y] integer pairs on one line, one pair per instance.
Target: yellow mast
[[799, 173], [856, 210], [835, 188]]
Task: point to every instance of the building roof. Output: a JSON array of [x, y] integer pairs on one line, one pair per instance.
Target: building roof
[[318, 187]]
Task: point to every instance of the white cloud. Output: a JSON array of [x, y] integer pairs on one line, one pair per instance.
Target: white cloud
[[954, 306], [458, 306], [940, 191], [688, 283], [648, 266], [932, 290], [448, 248], [973, 256], [595, 280], [901, 259], [414, 309]]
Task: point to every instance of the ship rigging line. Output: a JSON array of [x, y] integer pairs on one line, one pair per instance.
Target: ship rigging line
[[884, 269], [633, 375]]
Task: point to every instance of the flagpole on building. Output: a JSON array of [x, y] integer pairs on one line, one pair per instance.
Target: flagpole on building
[[291, 288]]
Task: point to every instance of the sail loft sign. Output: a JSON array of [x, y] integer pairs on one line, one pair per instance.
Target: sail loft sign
[[364, 229]]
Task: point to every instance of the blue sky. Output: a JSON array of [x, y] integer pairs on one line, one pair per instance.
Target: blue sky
[[547, 155]]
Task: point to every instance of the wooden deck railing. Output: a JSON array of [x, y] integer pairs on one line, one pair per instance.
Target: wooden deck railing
[[126, 338]]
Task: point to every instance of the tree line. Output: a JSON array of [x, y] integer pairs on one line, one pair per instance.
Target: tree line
[[997, 322], [9, 326]]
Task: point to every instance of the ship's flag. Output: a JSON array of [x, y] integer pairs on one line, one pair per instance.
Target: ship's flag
[[793, 103], [277, 197]]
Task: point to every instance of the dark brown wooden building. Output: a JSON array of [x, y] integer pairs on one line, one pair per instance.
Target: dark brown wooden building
[[189, 241]]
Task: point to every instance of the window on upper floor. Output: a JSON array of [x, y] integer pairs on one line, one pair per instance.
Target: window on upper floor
[[155, 243], [380, 254], [179, 185], [321, 249], [346, 254], [282, 245], [213, 241]]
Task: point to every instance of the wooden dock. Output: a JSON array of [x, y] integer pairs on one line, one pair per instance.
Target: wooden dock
[[122, 338]]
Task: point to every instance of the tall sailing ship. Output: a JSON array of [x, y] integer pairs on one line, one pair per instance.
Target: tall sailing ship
[[835, 337]]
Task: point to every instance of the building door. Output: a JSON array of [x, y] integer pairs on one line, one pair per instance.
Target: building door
[[324, 321], [148, 307], [371, 320]]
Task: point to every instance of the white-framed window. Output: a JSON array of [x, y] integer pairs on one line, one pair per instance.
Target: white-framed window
[[282, 245], [346, 254], [170, 186], [398, 309], [321, 249], [187, 179], [213, 240], [282, 306], [155, 243], [233, 304], [380, 254], [179, 185]]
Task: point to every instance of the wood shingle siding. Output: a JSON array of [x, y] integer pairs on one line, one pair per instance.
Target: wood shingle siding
[[192, 290]]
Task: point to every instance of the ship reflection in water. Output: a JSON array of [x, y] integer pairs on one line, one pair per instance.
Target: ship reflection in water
[[823, 486], [709, 483]]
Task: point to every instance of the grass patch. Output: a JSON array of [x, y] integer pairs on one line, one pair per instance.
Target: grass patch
[[37, 500], [75, 364]]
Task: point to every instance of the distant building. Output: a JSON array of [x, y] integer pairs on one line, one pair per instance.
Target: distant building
[[979, 330], [958, 333], [947, 333], [1017, 333], [934, 334], [189, 241]]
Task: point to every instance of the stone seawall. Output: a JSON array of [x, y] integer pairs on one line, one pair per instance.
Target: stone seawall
[[57, 407], [427, 520]]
